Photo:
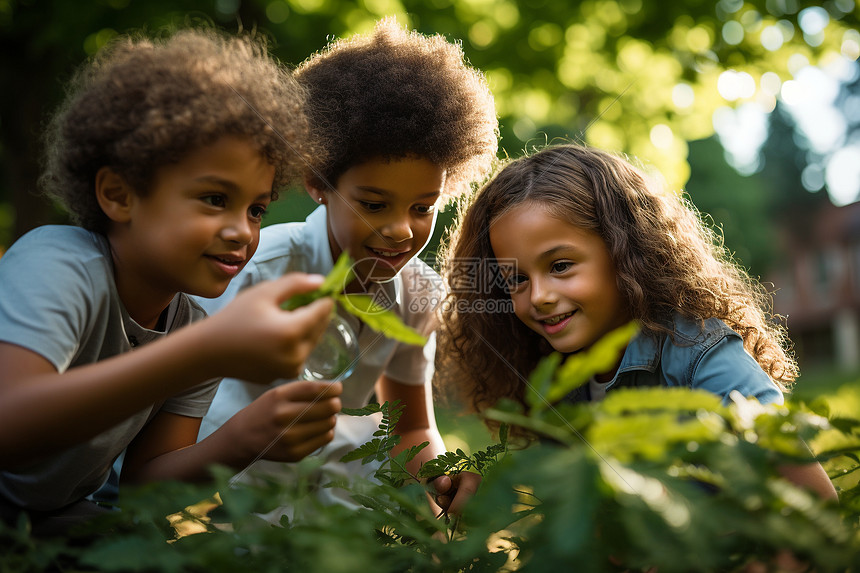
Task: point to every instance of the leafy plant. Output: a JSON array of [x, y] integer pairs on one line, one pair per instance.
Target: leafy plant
[[458, 461], [671, 478], [393, 470], [665, 478], [361, 305]]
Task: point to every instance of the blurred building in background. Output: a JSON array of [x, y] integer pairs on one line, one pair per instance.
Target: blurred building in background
[[819, 286]]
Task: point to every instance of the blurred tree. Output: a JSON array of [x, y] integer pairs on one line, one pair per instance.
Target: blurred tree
[[828, 130], [625, 75], [749, 209], [739, 206], [785, 157], [41, 43]]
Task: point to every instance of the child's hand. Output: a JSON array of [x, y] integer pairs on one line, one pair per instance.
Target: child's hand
[[288, 422], [255, 340], [452, 492]]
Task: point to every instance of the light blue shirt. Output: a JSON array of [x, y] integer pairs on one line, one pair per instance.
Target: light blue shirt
[[304, 247]]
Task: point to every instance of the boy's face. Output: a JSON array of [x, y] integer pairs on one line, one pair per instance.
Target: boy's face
[[382, 213], [199, 224]]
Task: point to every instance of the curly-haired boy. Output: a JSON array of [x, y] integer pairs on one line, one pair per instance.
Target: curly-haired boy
[[405, 124], [167, 152]]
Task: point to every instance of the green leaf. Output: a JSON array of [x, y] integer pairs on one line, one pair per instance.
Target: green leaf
[[540, 382], [535, 425], [360, 305], [380, 319], [675, 400], [374, 449], [371, 408], [433, 468], [414, 450], [601, 357], [340, 275], [503, 435], [335, 281]]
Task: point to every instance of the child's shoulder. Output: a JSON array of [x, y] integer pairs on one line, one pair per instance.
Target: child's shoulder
[[689, 340], [709, 355], [682, 352], [283, 240], [54, 232], [689, 331], [62, 240]]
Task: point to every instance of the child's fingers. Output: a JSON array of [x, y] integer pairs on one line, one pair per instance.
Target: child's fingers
[[311, 444], [310, 431], [466, 484], [308, 402], [306, 437], [294, 283], [312, 318], [443, 501], [309, 390], [308, 411], [442, 484]]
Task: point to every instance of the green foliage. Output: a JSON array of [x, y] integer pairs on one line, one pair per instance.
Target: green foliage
[[630, 487], [683, 484], [579, 367], [458, 461], [393, 469], [665, 478], [604, 71], [335, 281], [379, 319]]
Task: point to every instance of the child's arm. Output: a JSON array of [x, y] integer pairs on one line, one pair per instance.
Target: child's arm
[[724, 367], [810, 476], [417, 422], [252, 339], [417, 425], [285, 424]]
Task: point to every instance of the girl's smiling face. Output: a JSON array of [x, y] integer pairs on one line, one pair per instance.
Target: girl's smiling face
[[382, 213], [561, 277]]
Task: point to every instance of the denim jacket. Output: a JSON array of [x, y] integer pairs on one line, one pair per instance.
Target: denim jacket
[[712, 359]]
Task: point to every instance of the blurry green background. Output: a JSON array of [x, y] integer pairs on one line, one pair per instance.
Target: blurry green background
[[750, 107]]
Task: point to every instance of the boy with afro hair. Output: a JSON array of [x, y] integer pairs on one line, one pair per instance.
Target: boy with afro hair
[[405, 126], [167, 153]]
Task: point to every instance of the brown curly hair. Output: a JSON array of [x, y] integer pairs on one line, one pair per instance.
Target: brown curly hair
[[392, 94], [666, 259], [142, 103]]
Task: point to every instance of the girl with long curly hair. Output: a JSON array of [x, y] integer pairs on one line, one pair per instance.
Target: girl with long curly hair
[[565, 245]]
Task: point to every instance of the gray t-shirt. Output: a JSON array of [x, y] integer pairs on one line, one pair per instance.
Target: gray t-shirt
[[58, 298]]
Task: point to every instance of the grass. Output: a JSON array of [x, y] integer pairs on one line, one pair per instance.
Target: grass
[[819, 381]]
